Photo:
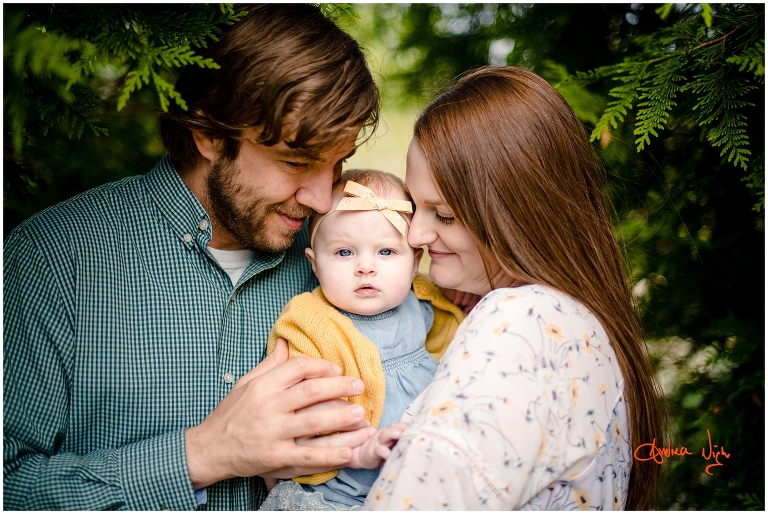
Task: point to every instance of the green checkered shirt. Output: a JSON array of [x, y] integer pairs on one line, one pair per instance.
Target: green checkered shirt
[[121, 331]]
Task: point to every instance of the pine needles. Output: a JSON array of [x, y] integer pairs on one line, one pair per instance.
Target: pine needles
[[706, 63], [51, 53]]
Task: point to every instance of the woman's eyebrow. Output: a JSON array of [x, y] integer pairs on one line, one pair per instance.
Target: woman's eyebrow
[[434, 203]]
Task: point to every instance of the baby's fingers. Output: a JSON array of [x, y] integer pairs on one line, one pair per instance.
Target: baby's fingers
[[391, 434], [382, 452]]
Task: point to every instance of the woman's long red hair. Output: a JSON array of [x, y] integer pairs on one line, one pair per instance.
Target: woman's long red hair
[[514, 163]]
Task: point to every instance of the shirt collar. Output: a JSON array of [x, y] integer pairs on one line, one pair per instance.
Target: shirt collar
[[178, 204], [187, 217]]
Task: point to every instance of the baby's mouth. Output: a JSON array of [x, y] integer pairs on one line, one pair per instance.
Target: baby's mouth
[[366, 290]]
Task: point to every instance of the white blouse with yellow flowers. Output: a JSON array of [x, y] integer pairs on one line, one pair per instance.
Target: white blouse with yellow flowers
[[527, 410]]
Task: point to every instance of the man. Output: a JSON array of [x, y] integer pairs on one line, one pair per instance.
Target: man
[[136, 312]]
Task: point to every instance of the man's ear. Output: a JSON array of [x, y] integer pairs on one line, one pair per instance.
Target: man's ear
[[311, 256], [206, 145], [417, 254]]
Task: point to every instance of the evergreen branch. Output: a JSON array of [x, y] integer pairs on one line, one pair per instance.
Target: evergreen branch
[[654, 78], [133, 81], [752, 60], [617, 109], [165, 88], [658, 102], [718, 98], [722, 39]]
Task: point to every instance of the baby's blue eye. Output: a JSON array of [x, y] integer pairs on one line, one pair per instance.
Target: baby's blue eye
[[345, 252], [385, 251]]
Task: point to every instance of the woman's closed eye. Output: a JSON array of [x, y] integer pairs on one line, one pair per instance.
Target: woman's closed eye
[[445, 220]]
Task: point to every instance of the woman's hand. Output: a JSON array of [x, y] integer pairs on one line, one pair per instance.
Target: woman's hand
[[466, 301]]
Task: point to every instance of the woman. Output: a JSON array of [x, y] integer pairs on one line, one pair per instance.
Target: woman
[[547, 386]]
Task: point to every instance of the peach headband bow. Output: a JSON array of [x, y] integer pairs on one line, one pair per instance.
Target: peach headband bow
[[363, 199]]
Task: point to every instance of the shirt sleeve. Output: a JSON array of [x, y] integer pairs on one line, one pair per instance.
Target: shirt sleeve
[[497, 425], [38, 345]]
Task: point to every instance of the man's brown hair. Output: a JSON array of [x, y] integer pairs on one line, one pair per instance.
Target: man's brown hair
[[285, 68], [514, 163]]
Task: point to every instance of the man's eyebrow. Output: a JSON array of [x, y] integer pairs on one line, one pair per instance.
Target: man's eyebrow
[[287, 153]]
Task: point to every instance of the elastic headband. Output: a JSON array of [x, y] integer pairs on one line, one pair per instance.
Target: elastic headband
[[363, 199]]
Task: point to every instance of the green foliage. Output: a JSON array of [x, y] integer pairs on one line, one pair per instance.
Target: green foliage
[[343, 15], [751, 502], [56, 56], [703, 62]]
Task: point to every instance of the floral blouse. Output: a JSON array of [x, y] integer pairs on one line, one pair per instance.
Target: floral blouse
[[527, 410]]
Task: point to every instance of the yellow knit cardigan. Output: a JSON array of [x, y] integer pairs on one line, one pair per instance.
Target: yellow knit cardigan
[[315, 328]]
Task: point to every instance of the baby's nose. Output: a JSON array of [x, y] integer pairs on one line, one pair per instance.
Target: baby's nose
[[366, 268]]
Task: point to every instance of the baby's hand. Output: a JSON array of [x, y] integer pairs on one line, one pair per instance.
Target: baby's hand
[[372, 453]]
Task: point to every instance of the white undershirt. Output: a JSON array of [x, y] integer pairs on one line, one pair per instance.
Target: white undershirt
[[233, 262]]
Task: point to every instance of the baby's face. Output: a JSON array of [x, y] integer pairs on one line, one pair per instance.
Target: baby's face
[[363, 263]]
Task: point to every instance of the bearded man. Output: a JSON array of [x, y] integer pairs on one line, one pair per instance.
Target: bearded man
[[136, 313]]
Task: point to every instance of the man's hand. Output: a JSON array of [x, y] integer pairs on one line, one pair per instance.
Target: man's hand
[[253, 429], [466, 301]]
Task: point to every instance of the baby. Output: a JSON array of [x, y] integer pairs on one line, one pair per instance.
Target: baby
[[366, 317]]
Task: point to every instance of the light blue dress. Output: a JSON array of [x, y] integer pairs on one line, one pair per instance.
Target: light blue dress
[[399, 334]]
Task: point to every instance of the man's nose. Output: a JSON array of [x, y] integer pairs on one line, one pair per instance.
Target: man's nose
[[315, 190]]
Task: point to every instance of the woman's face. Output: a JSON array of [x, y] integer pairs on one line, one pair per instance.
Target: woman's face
[[456, 261]]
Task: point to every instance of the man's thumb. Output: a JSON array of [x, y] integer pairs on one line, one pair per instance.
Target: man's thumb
[[278, 356]]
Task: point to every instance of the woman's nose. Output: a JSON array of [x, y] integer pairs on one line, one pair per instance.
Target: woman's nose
[[419, 233]]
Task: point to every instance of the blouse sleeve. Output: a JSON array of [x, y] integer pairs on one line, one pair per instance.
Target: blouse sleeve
[[498, 423]]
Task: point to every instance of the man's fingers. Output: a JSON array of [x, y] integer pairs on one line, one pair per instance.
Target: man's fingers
[[311, 391], [278, 356], [337, 404], [299, 369], [312, 460], [328, 404], [351, 439], [323, 421]]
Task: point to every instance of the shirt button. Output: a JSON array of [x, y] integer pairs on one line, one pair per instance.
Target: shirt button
[[203, 225], [423, 289], [187, 238], [229, 377]]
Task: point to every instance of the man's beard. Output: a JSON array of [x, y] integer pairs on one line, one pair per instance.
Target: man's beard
[[244, 213]]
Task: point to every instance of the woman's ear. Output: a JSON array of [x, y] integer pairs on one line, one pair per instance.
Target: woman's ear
[[417, 254], [311, 256], [206, 145]]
